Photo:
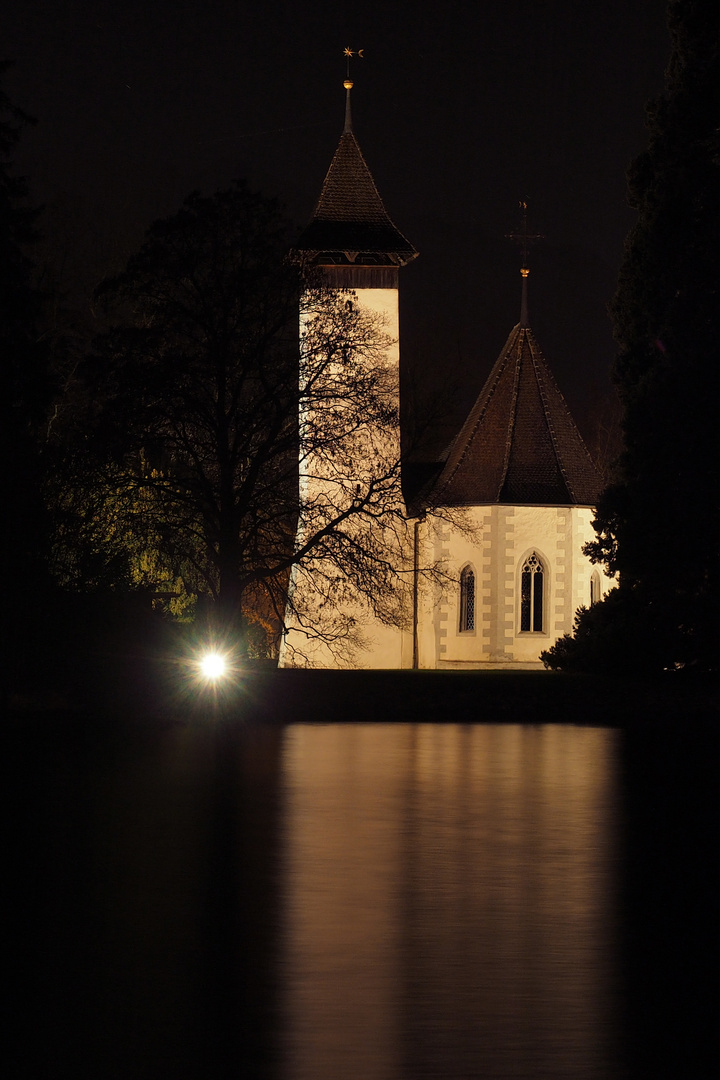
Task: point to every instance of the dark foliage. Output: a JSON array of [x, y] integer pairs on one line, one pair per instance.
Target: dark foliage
[[179, 470], [659, 524], [25, 394], [619, 636]]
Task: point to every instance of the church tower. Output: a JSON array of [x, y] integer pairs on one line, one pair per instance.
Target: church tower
[[350, 243], [522, 475]]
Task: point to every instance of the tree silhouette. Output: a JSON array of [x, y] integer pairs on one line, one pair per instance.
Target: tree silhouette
[[180, 469], [25, 393], [659, 524]]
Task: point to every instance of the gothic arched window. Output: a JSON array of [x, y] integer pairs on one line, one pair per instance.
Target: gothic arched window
[[532, 584], [595, 593], [467, 599]]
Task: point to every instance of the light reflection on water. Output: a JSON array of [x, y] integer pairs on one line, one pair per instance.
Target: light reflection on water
[[216, 901], [450, 902], [340, 902]]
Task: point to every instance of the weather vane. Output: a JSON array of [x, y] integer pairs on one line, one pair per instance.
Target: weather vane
[[523, 238], [348, 54]]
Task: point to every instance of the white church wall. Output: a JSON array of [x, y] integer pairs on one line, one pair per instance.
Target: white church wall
[[376, 644], [505, 538], [384, 302], [372, 645]]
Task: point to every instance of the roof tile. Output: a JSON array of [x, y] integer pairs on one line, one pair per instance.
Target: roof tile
[[350, 216], [519, 444]]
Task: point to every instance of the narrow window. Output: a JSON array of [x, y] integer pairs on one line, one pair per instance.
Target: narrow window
[[594, 587], [467, 599], [531, 595]]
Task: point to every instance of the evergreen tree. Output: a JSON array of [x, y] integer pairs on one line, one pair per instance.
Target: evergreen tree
[[659, 524]]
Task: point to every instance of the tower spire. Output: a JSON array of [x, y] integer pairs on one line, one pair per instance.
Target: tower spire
[[350, 227], [524, 239], [348, 84], [348, 113], [524, 319]]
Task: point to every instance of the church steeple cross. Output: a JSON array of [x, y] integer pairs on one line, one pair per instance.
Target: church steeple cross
[[524, 239]]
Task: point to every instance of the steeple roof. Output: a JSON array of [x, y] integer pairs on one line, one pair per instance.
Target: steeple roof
[[350, 219], [519, 444]]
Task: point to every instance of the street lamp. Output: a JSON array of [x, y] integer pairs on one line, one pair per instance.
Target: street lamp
[[213, 666]]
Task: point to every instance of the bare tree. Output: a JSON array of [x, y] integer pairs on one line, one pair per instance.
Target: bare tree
[[199, 467]]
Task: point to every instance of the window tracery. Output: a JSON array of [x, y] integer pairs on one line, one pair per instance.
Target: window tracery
[[467, 599], [532, 586]]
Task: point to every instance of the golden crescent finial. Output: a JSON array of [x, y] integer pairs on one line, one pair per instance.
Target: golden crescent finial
[[348, 53]]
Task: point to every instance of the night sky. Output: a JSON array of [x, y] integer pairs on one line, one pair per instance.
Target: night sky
[[461, 109]]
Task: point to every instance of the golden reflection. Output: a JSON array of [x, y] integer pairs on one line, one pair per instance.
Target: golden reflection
[[450, 900]]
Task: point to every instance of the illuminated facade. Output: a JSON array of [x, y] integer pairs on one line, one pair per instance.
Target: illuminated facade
[[520, 473], [351, 243], [503, 522]]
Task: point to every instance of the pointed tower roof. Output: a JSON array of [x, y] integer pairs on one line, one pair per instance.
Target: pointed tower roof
[[350, 223], [519, 444]]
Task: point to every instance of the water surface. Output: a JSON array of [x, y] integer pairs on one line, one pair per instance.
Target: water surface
[[450, 901], [363, 902]]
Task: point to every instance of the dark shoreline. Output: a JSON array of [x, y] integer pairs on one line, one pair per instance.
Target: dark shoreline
[[142, 694]]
